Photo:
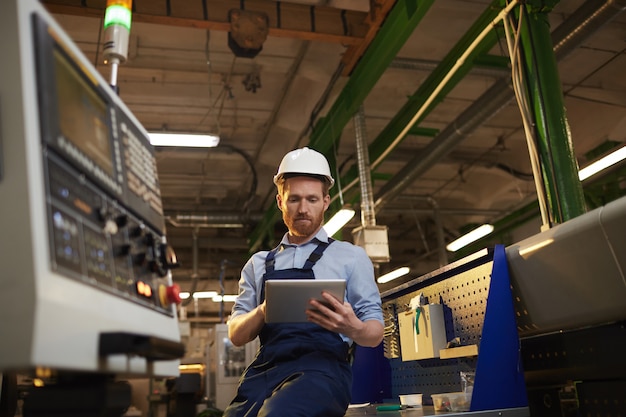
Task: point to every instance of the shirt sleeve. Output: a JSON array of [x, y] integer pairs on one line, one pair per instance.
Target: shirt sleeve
[[362, 291], [247, 299]]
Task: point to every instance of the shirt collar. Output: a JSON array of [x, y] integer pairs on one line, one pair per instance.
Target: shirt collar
[[320, 236]]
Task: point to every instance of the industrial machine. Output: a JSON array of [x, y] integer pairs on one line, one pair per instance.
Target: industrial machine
[[230, 363], [86, 266]]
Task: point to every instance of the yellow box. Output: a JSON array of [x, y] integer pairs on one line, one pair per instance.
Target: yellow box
[[432, 333]]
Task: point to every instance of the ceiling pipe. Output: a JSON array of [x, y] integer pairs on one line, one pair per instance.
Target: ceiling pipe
[[583, 22], [395, 209], [492, 101], [194, 260], [426, 65], [194, 271], [442, 255], [213, 221], [441, 244]]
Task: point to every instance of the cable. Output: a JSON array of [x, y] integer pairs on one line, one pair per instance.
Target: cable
[[522, 101], [255, 179]]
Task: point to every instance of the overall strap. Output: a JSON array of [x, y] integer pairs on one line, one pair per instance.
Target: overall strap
[[317, 254], [269, 260]]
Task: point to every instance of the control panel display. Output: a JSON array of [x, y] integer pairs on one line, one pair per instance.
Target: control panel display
[[82, 114]]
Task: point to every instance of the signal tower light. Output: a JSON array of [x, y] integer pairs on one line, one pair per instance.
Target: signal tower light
[[117, 18]]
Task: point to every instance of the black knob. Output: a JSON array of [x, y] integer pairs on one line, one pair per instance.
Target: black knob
[[136, 231], [149, 240], [122, 250], [157, 268], [102, 213], [139, 259], [121, 220]]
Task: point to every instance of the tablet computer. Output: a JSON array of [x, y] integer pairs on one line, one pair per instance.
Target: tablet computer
[[288, 299]]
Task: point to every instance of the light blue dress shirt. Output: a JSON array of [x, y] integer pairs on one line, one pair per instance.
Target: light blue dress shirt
[[341, 260]]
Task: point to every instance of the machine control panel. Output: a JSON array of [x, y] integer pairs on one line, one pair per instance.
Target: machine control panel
[[105, 216], [86, 282]]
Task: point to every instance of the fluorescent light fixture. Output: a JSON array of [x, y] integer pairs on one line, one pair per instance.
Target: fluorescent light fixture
[[470, 237], [227, 298], [603, 163], [213, 295], [396, 273], [339, 220], [192, 367], [189, 140], [199, 294]]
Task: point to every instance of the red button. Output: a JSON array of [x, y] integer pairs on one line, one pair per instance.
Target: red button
[[173, 294]]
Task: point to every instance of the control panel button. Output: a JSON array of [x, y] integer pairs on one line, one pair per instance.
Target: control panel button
[[144, 289], [122, 250], [169, 294]]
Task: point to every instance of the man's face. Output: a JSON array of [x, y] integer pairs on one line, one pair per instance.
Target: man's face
[[303, 204]]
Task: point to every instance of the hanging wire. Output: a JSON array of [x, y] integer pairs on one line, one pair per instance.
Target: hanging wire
[[419, 228], [512, 33], [225, 91], [207, 56], [97, 57]]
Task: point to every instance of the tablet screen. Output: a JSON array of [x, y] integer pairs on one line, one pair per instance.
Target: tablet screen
[[288, 299]]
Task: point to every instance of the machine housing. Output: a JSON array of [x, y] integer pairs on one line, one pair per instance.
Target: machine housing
[[85, 263]]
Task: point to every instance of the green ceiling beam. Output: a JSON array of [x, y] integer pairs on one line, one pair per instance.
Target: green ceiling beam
[[493, 61], [399, 25], [423, 131], [393, 34], [421, 95]]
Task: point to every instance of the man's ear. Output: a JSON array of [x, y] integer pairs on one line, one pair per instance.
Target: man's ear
[[326, 201], [279, 202]]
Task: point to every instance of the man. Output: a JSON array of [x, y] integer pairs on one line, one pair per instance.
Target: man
[[302, 369]]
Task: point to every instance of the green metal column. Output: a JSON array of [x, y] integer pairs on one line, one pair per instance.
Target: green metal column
[[559, 167]]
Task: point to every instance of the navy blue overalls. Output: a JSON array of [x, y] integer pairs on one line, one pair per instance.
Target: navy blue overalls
[[301, 370]]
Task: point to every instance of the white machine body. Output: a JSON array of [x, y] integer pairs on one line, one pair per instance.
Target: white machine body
[[82, 225]]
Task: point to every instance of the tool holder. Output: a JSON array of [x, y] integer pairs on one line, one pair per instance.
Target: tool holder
[[475, 294]]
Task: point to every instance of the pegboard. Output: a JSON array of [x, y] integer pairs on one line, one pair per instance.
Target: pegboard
[[464, 298]]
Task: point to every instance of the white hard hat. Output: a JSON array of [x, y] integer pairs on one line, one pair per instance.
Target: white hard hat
[[304, 161]]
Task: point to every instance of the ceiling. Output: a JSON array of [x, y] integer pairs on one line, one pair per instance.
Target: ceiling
[[465, 161]]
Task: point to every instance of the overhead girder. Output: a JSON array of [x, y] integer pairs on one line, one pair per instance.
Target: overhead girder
[[354, 29]]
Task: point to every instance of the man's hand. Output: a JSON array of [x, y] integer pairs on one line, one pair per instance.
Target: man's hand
[[338, 317], [245, 327]]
